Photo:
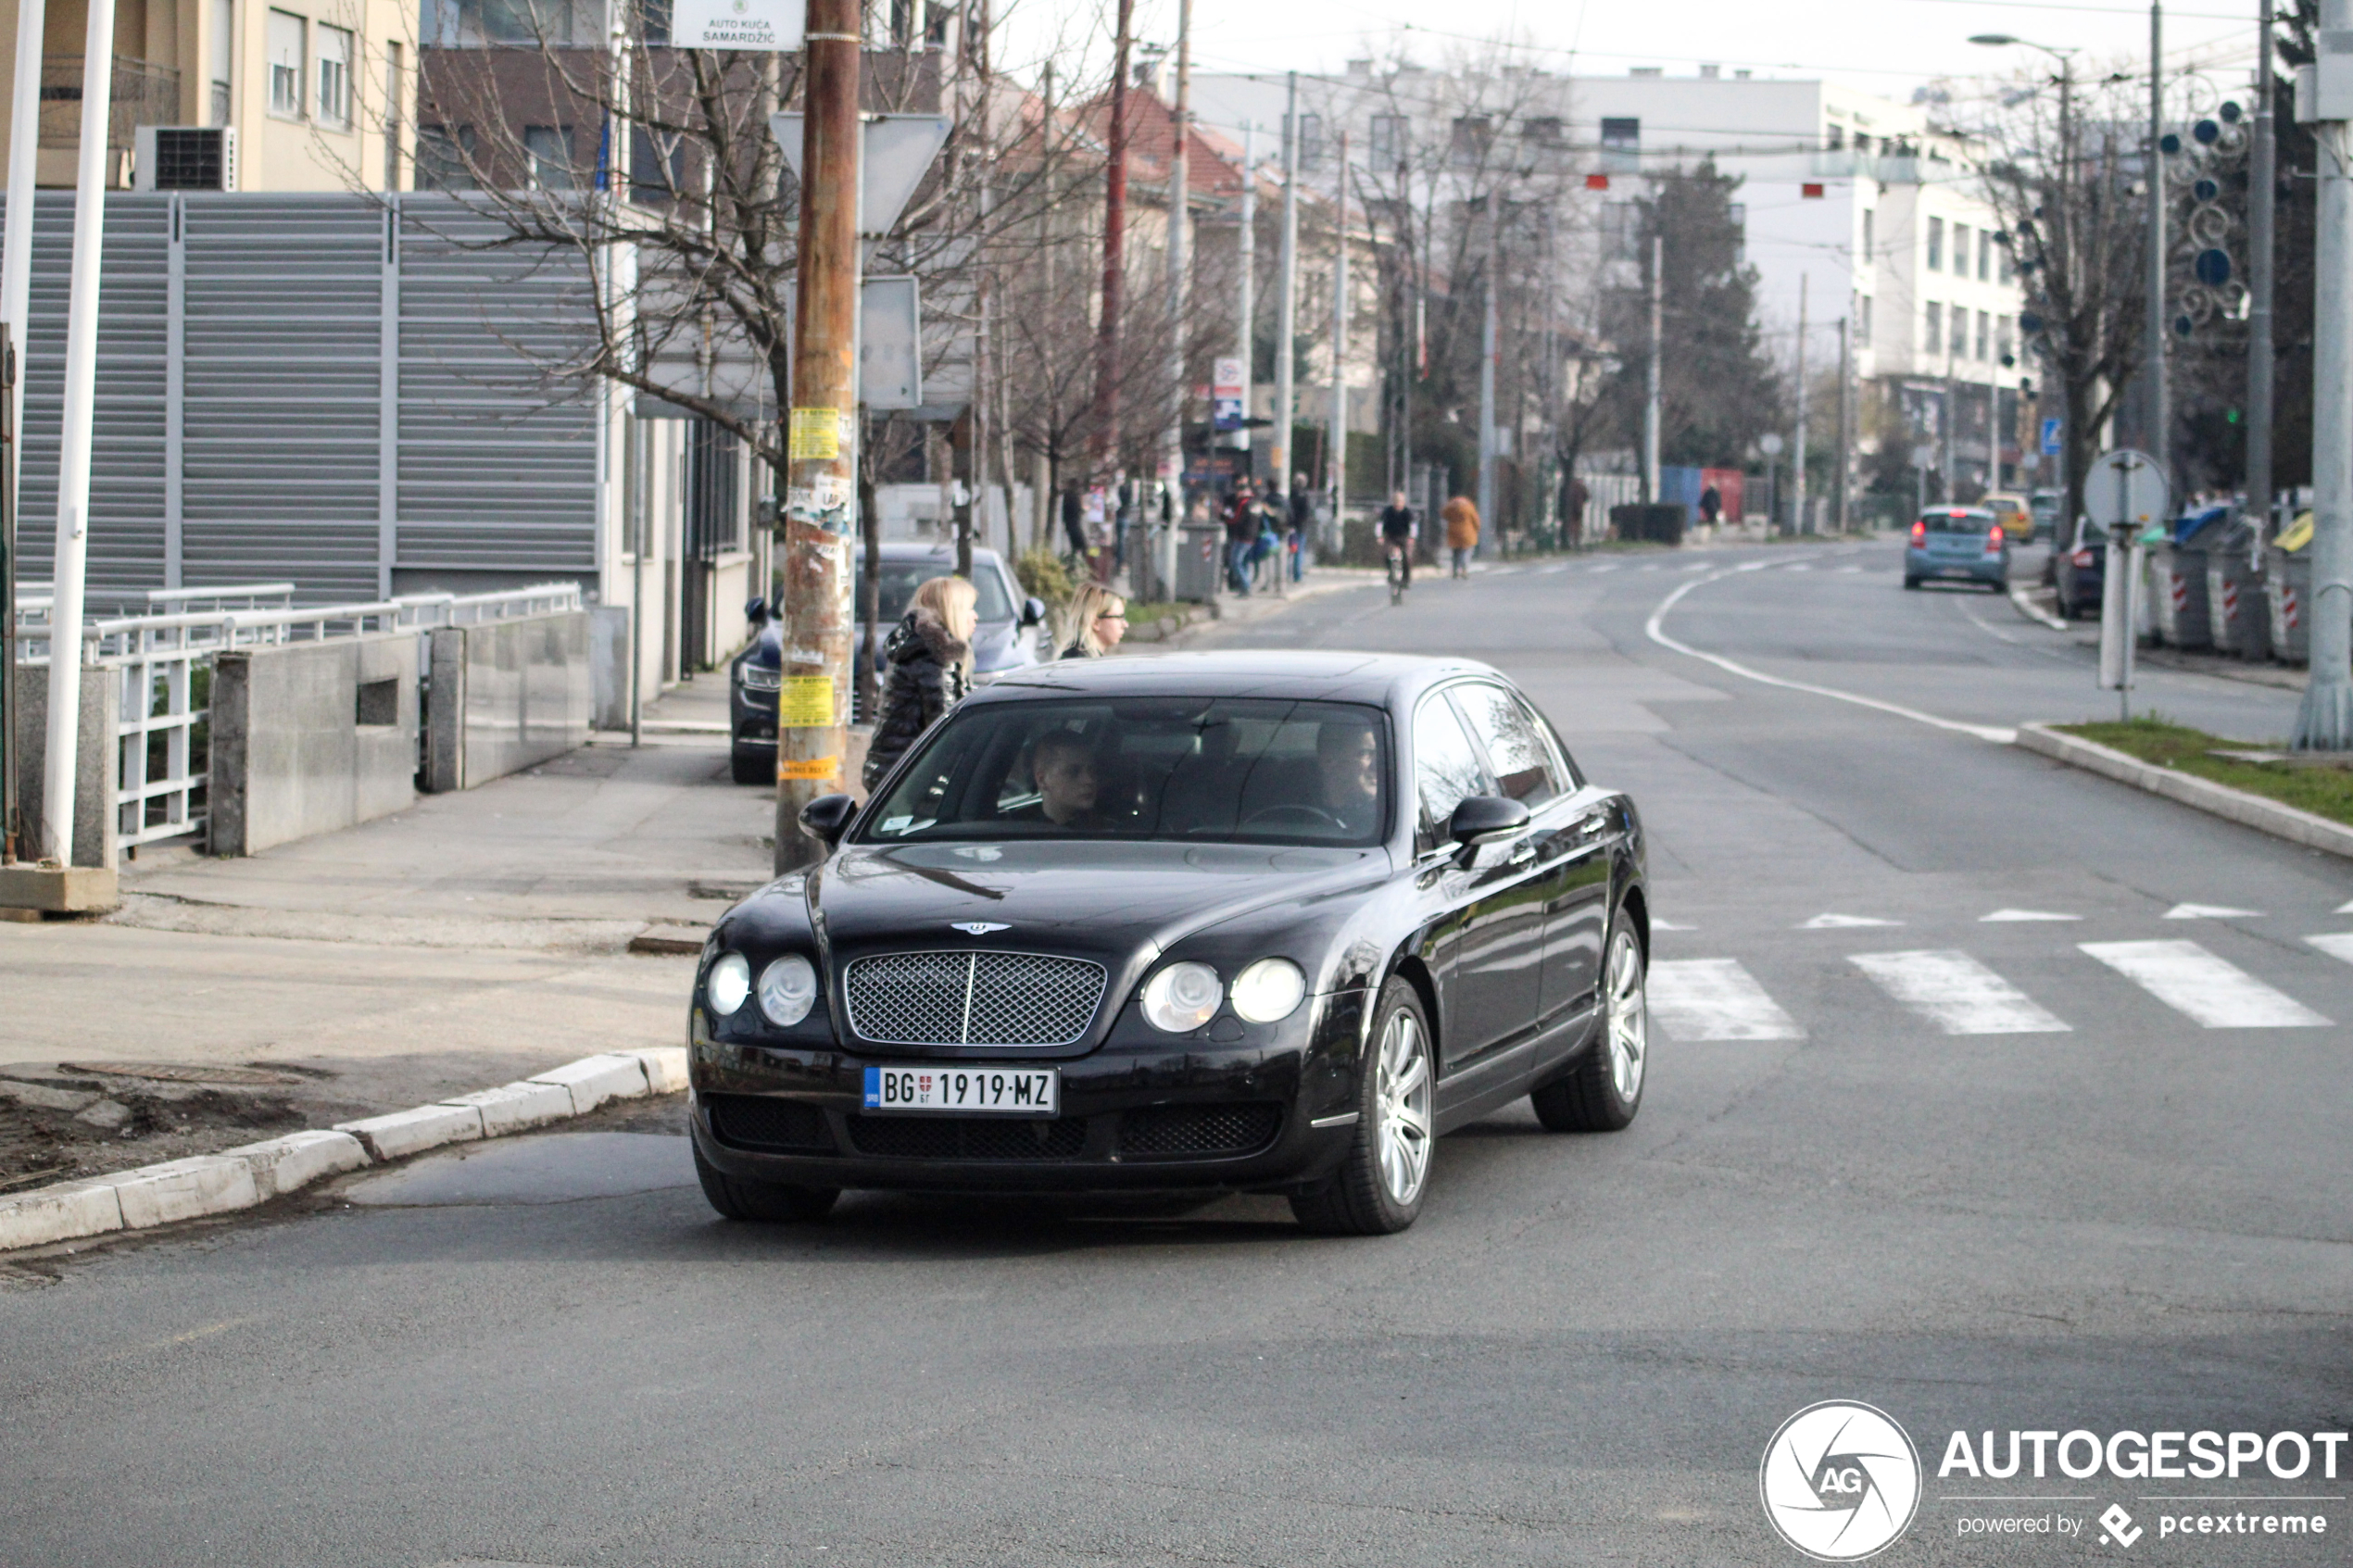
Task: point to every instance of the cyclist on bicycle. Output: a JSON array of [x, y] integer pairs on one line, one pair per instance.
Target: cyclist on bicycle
[[1397, 523]]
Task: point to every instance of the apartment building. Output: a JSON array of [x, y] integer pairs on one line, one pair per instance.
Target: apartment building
[[276, 96]]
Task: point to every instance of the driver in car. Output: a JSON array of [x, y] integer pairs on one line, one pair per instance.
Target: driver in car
[[1348, 772], [1063, 763]]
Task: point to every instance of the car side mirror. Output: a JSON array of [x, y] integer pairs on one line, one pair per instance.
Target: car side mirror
[[1483, 819], [757, 612], [826, 818], [1033, 610]]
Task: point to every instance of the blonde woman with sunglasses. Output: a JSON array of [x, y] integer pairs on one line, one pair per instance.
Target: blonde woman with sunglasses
[[1094, 622]]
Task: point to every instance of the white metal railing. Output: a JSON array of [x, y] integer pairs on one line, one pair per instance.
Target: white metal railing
[[163, 660]]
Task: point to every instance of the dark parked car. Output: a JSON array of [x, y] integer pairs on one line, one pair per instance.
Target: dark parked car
[[2082, 571], [1007, 640], [1263, 922], [1964, 543]]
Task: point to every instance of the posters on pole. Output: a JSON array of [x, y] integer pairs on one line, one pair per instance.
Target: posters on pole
[[1225, 392], [760, 25]]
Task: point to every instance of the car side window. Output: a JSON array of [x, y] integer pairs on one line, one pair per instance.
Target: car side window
[[1563, 763], [1446, 769], [1524, 766]]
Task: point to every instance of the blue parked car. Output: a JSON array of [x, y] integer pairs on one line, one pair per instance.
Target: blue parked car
[[1958, 544]]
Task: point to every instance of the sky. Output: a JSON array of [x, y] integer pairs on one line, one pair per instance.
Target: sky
[[1888, 46]]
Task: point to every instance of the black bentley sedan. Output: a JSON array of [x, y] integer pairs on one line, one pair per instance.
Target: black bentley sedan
[[1259, 921]]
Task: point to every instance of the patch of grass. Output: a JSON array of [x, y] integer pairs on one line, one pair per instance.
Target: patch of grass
[[2323, 791], [1140, 613]]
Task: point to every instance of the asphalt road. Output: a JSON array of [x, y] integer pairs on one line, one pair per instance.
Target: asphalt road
[[1986, 1175]]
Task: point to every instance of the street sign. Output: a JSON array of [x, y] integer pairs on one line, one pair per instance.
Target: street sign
[[896, 151], [2051, 438], [891, 359], [1769, 444], [2125, 486], [767, 26]]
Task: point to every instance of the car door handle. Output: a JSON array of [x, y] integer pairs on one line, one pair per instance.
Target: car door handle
[[1593, 827]]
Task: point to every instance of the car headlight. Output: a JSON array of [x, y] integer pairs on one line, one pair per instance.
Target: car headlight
[[1182, 998], [789, 989], [1268, 991], [760, 678], [728, 983]]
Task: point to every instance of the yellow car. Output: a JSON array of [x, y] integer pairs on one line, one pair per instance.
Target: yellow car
[[2012, 513]]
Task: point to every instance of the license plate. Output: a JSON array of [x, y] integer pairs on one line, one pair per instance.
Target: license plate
[[1955, 571], [999, 1091]]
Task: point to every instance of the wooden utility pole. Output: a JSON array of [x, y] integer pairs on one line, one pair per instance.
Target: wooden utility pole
[[821, 502], [1114, 245]]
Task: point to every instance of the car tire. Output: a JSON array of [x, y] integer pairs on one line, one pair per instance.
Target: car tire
[[1602, 1091], [1911, 583], [751, 769], [1379, 1186], [739, 1197]]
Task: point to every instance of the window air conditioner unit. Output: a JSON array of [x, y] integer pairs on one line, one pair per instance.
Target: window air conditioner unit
[[184, 157]]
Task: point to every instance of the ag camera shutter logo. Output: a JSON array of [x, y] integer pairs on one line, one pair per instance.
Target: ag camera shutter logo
[[1840, 1481]]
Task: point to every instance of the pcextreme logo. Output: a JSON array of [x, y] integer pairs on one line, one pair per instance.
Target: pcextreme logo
[[1840, 1481]]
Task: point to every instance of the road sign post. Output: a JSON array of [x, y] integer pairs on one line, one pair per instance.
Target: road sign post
[[2124, 494]]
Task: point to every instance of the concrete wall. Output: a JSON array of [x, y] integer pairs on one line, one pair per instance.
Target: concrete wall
[[609, 665], [507, 694], [96, 835], [311, 737]]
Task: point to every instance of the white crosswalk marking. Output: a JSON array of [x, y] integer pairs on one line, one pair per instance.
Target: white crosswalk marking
[[2335, 944], [1958, 993], [2211, 990], [1716, 1000]]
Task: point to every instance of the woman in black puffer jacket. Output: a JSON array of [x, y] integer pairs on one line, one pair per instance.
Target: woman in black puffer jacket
[[930, 652]]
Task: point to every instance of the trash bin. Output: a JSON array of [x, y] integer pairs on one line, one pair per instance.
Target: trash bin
[[1201, 564], [2287, 584], [2238, 618], [2177, 580]]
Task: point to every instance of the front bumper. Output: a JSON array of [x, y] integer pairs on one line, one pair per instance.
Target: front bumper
[[1189, 1115]]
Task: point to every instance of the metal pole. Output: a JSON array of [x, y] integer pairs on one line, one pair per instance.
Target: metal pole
[[24, 153], [2324, 722], [9, 827], [1180, 264], [1249, 348], [1490, 340], [635, 484], [821, 492], [73, 440], [2159, 402], [1797, 460], [2263, 179], [1650, 400], [1114, 249], [1846, 429], [1336, 446], [1287, 296]]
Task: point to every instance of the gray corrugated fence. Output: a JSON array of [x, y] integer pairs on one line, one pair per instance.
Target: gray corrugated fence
[[311, 387]]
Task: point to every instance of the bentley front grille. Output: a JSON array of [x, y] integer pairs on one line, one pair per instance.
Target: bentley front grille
[[973, 998]]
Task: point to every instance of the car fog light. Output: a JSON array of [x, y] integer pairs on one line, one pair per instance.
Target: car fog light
[[1182, 998], [728, 983], [787, 989], [1268, 990]]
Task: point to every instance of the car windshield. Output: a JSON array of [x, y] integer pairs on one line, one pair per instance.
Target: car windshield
[[1200, 770], [1959, 522], [901, 578]]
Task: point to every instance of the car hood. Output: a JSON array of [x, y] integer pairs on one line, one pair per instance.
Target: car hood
[[1107, 899]]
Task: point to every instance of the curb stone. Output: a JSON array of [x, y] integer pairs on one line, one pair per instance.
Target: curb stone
[[2279, 820], [254, 1174]]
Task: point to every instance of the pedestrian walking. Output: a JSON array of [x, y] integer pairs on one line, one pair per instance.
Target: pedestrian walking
[[1074, 522], [931, 668], [1461, 517], [1241, 538], [1397, 523], [1093, 623], [1301, 508]]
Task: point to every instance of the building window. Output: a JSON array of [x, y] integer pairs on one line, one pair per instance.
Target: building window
[[1934, 343], [1621, 232], [335, 75], [286, 64], [392, 97], [1863, 319], [548, 148], [657, 166], [1835, 142], [2002, 337], [224, 50], [1862, 140], [2005, 265], [1869, 251], [1984, 334], [1936, 245], [1390, 141], [471, 24], [445, 157], [1984, 255], [1544, 131], [1472, 135], [1311, 139], [1738, 212], [1621, 136]]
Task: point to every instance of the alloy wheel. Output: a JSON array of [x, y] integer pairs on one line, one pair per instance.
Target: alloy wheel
[[1403, 1089], [1629, 1040]]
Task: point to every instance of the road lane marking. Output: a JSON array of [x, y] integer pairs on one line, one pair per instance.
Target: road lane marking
[[1999, 916], [2212, 991], [1844, 922], [2035, 612], [1716, 1000], [2335, 944], [1958, 993], [2210, 912], [1655, 628]]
